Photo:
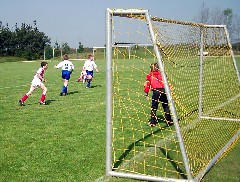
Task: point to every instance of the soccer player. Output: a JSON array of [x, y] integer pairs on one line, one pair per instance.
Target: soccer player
[[83, 76], [88, 66], [154, 82], [37, 82], [67, 69]]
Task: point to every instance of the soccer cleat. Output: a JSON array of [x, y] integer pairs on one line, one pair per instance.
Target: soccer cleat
[[62, 94], [42, 103], [21, 103], [87, 87]]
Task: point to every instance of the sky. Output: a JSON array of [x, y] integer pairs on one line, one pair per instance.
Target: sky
[[74, 21]]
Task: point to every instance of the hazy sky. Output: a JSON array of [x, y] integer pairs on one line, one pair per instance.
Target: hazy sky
[[74, 21]]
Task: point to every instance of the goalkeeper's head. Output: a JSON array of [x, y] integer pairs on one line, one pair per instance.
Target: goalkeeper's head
[[154, 67]]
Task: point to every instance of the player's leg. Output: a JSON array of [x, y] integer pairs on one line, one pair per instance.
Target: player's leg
[[25, 96], [65, 86], [154, 107], [164, 101], [66, 77], [89, 78], [42, 99]]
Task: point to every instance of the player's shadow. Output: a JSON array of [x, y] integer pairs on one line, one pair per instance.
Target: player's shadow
[[139, 143], [130, 147], [93, 86], [48, 102], [174, 164], [74, 92]]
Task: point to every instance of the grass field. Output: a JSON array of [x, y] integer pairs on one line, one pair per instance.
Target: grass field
[[64, 140]]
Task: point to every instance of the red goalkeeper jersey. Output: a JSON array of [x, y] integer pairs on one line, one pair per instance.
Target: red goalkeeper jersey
[[153, 81]]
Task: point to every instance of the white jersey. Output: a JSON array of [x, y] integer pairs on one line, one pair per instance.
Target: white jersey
[[89, 65], [40, 71], [36, 82], [66, 65]]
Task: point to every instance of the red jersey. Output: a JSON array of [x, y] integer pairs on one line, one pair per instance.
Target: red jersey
[[154, 80]]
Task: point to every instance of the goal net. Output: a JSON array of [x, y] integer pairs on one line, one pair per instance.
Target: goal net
[[201, 82], [123, 52]]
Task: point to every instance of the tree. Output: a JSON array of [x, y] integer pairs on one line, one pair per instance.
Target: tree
[[228, 18], [220, 17], [80, 48], [65, 48], [203, 16], [57, 50], [26, 41], [236, 27], [216, 17], [6, 42]]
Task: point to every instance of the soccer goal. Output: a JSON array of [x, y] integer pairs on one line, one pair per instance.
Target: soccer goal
[[124, 51], [203, 92]]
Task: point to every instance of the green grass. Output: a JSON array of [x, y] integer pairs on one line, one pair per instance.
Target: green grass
[[65, 140]]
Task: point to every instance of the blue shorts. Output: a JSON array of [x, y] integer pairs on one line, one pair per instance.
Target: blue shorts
[[66, 74], [89, 73]]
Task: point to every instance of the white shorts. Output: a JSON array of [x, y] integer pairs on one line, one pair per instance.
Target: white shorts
[[36, 82]]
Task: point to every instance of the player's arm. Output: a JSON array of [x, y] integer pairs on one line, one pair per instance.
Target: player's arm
[[58, 65], [96, 69], [72, 68], [147, 87], [40, 77]]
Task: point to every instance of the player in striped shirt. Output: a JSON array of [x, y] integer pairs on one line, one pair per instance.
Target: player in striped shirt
[[37, 82], [67, 69]]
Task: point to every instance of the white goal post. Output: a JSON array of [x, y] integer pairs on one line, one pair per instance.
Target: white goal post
[[201, 82], [128, 47]]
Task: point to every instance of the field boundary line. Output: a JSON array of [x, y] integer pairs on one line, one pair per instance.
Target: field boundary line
[[1, 88]]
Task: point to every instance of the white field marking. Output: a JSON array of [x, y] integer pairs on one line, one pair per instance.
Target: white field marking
[[103, 179], [165, 140], [13, 87], [28, 61], [222, 105]]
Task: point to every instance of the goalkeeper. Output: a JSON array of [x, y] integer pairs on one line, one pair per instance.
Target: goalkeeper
[[154, 82]]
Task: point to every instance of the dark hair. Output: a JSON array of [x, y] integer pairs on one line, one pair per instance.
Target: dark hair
[[65, 57], [154, 67], [43, 63], [89, 56]]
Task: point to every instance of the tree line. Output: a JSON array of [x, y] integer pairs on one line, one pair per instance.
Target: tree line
[[221, 17], [26, 41]]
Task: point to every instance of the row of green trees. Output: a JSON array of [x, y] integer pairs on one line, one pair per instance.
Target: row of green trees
[[28, 42], [25, 41]]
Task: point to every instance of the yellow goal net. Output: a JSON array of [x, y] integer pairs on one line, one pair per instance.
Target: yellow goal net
[[202, 88]]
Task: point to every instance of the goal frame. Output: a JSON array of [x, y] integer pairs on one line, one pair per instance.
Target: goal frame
[[109, 47], [109, 103], [120, 46]]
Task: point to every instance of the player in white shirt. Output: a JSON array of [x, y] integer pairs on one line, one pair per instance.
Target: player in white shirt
[[88, 66], [37, 82], [67, 69]]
